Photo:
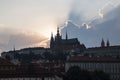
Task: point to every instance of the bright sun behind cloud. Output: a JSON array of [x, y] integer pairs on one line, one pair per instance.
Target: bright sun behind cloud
[[46, 31]]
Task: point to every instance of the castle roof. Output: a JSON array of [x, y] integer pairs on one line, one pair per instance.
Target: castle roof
[[93, 59], [33, 48], [70, 41], [107, 47]]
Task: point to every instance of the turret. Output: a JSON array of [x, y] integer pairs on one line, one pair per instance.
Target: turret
[[102, 43], [107, 44]]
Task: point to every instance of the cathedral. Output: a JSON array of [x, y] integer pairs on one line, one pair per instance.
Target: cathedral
[[57, 43]]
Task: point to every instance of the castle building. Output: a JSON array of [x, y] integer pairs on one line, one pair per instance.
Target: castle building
[[59, 44], [109, 65], [104, 50]]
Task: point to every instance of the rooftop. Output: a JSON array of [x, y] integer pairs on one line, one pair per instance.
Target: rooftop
[[92, 59], [109, 47], [5, 62]]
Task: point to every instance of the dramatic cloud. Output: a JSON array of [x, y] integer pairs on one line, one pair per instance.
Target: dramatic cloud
[[85, 13], [25, 23], [92, 32], [20, 39]]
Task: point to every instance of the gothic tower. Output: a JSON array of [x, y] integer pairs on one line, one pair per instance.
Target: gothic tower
[[108, 43], [51, 41], [66, 35], [58, 37], [102, 43], [58, 33]]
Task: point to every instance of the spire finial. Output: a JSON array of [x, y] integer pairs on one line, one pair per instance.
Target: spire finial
[[57, 29], [13, 47], [51, 34]]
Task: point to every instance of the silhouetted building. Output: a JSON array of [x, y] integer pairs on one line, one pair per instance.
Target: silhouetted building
[[104, 50], [25, 54], [59, 44]]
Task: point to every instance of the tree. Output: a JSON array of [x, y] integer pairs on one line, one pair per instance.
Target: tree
[[100, 75], [75, 73]]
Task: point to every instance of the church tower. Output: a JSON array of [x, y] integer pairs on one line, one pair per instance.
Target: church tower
[[102, 43]]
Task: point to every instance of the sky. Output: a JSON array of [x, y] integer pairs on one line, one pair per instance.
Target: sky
[[29, 23]]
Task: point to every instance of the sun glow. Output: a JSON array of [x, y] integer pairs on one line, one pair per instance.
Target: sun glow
[[47, 31]]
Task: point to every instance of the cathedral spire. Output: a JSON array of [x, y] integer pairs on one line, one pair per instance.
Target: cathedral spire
[[58, 34], [51, 35], [13, 47], [51, 40], [66, 35], [57, 30]]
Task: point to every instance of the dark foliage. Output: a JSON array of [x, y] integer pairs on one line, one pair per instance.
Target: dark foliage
[[75, 73]]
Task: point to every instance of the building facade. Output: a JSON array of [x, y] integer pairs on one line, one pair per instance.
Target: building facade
[[109, 65], [104, 50]]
